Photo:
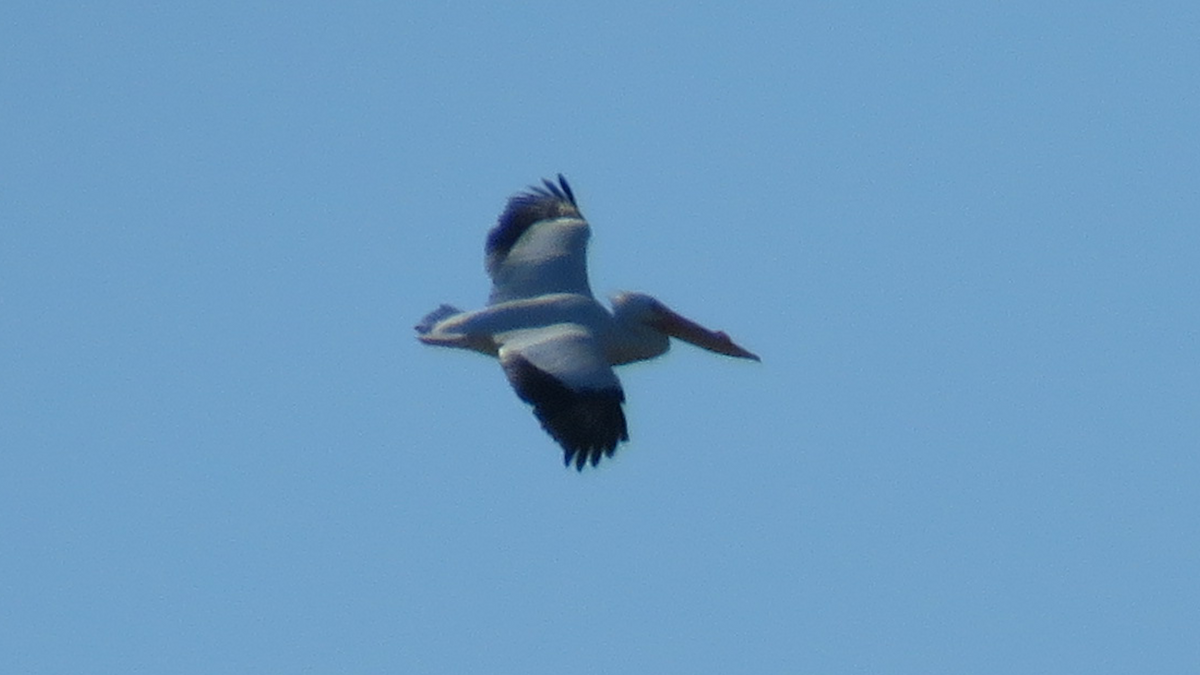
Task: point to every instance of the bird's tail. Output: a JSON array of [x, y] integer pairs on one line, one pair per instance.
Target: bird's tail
[[425, 325]]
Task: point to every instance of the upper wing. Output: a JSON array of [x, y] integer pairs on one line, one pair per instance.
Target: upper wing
[[575, 394], [539, 245]]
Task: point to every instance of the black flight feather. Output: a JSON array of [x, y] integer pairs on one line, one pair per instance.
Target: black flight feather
[[529, 207], [588, 423]]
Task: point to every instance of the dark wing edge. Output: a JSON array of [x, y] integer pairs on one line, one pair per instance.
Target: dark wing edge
[[526, 208], [588, 423]]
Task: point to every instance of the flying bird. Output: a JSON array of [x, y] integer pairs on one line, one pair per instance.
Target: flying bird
[[556, 343]]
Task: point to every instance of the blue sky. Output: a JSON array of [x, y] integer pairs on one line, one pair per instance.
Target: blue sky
[[962, 236]]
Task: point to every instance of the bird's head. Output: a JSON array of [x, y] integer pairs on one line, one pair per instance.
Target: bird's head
[[645, 310]]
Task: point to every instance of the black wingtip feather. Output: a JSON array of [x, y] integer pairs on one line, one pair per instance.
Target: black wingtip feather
[[588, 424], [561, 191], [566, 188], [581, 457], [526, 208]]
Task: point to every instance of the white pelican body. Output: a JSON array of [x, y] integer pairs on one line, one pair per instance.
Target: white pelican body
[[556, 343]]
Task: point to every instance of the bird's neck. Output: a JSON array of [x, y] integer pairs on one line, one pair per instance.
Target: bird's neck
[[635, 342]]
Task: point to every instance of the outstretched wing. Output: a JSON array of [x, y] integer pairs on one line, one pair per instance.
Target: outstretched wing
[[561, 371], [539, 245]]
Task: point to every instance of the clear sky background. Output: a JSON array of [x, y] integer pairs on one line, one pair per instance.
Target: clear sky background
[[962, 236]]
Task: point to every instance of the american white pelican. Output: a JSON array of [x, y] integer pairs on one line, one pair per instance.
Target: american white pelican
[[556, 343]]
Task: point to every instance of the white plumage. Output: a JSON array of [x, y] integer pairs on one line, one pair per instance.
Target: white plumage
[[556, 343]]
